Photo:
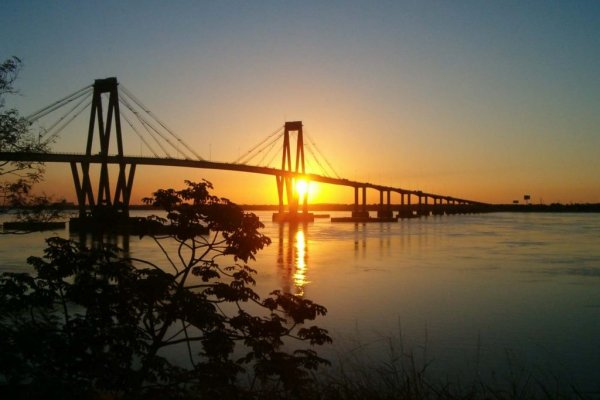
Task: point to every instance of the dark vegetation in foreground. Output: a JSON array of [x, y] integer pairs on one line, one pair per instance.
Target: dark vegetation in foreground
[[92, 323], [406, 374]]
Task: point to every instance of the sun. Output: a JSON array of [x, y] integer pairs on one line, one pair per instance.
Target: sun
[[301, 187], [304, 187]]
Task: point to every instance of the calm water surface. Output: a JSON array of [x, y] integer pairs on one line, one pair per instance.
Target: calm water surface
[[489, 294]]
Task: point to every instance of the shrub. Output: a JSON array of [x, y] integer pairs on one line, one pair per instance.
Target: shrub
[[91, 321]]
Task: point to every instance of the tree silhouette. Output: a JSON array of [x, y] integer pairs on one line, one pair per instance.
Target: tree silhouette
[[17, 177], [91, 321]]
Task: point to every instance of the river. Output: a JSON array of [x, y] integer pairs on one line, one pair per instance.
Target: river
[[486, 295]]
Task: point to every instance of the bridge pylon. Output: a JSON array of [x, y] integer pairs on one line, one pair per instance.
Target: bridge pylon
[[105, 122], [286, 182]]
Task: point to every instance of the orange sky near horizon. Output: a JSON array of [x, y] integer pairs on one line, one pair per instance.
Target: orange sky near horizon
[[245, 188], [486, 101]]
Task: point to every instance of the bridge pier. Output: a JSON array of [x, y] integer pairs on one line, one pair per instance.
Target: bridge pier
[[286, 183], [438, 208], [105, 206], [360, 211], [423, 209], [406, 210], [385, 209]]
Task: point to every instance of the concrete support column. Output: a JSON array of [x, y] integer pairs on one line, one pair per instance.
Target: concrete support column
[[385, 210], [360, 212], [364, 199], [438, 208], [423, 206]]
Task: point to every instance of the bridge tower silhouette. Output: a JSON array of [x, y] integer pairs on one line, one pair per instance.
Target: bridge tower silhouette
[[286, 183], [112, 201], [101, 126]]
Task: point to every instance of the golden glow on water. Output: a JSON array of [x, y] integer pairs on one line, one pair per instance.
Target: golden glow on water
[[300, 258], [292, 258]]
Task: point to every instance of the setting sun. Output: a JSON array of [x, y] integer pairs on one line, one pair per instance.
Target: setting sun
[[303, 188]]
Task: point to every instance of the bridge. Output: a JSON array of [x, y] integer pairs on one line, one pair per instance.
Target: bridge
[[105, 123]]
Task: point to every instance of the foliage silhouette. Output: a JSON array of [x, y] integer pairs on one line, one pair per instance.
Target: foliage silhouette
[[91, 321], [15, 134], [17, 178]]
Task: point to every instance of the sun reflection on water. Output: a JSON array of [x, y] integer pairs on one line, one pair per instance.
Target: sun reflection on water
[[292, 258], [300, 257]]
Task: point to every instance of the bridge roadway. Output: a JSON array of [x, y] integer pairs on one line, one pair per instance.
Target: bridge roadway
[[203, 164]]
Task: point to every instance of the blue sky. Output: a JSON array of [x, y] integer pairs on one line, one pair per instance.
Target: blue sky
[[479, 99]]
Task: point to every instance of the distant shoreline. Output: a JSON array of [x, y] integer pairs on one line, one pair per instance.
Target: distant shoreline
[[555, 207]]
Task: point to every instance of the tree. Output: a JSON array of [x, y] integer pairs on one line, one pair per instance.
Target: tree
[[92, 321], [15, 136]]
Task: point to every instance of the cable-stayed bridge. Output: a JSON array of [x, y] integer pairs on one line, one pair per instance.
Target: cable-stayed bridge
[[281, 154]]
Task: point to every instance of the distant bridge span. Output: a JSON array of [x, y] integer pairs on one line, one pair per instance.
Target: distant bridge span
[[204, 164], [105, 123]]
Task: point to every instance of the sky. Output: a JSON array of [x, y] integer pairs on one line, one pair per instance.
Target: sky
[[484, 100]]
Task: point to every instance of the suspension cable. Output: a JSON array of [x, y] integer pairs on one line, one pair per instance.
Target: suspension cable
[[272, 159], [57, 104], [316, 159], [244, 156], [150, 131], [257, 153], [48, 130], [152, 135], [312, 142], [151, 128], [143, 107], [143, 120], [59, 129], [140, 135], [250, 157], [266, 153]]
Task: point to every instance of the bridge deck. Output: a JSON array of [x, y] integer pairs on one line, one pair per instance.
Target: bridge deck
[[203, 164]]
